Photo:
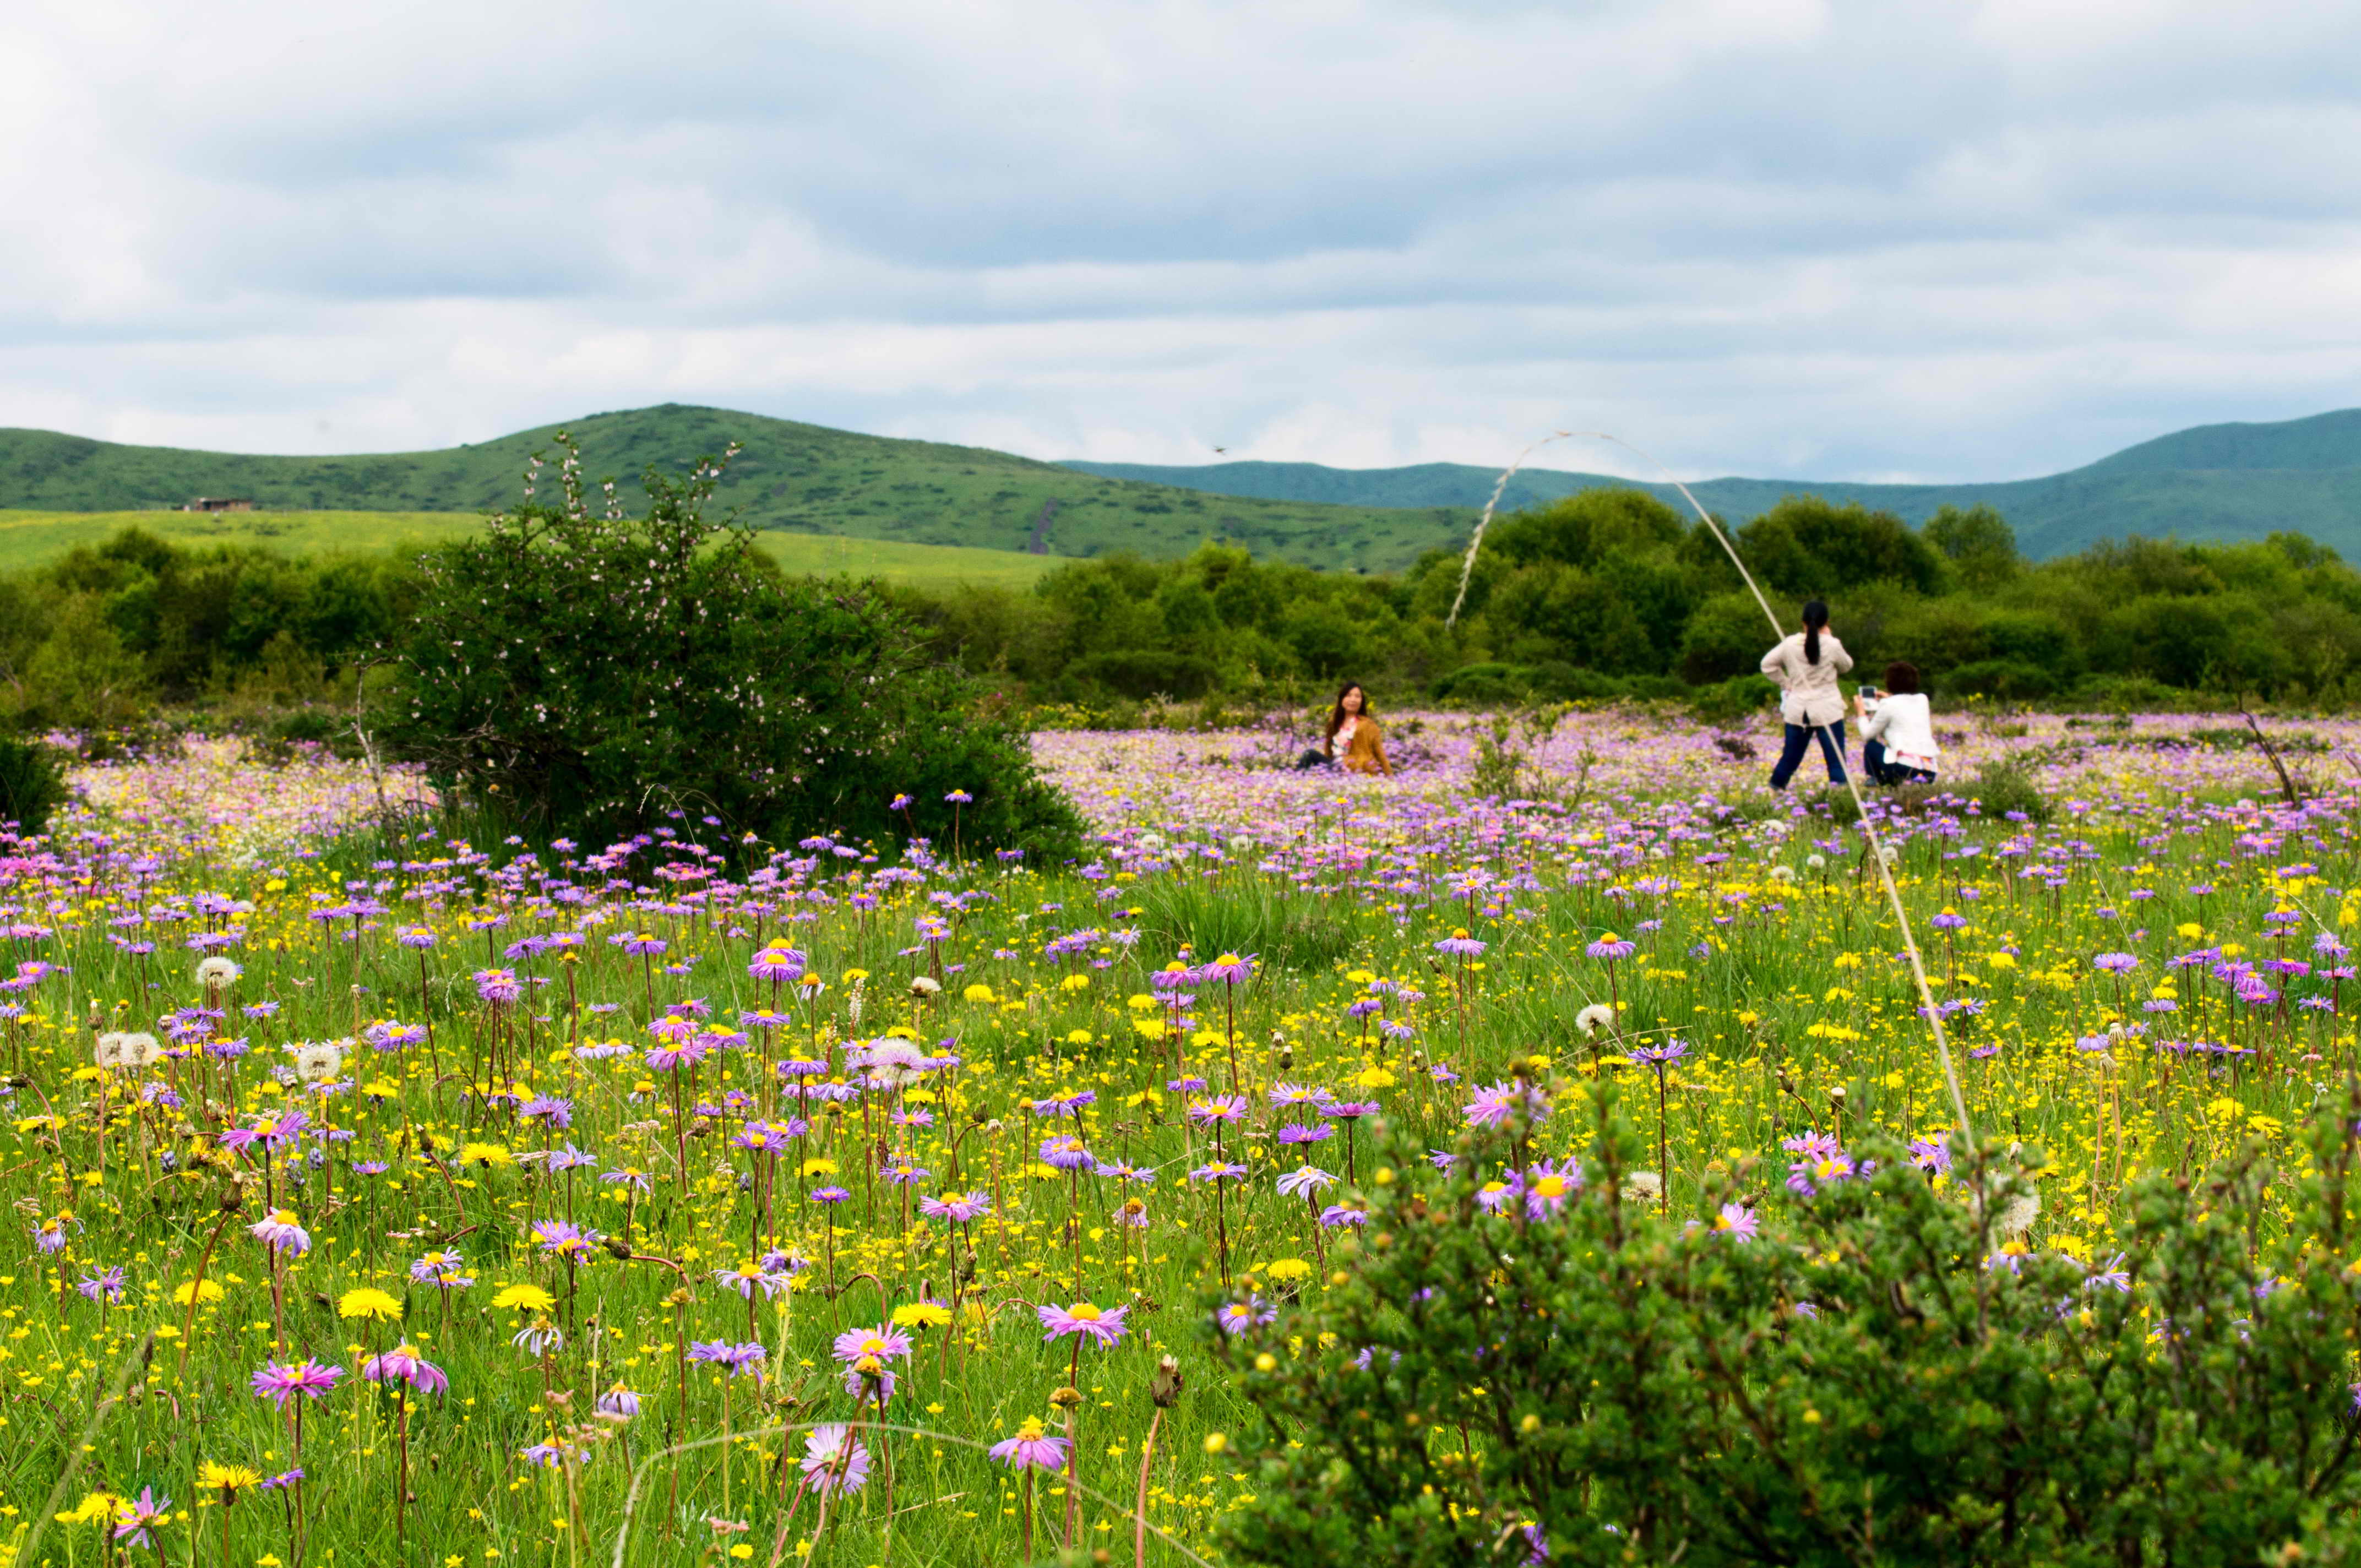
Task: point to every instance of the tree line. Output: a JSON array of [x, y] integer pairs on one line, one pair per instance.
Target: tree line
[[1607, 593], [1610, 593]]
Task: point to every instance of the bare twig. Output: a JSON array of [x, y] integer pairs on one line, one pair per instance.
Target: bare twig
[[2271, 753]]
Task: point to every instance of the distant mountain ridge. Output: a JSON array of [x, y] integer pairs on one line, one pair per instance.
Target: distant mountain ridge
[[2210, 482], [801, 478], [2213, 482]]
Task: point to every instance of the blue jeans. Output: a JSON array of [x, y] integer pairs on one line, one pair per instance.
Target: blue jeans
[[1880, 771], [1790, 753]]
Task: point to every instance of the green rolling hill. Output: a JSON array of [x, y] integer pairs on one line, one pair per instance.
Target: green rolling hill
[[800, 479], [2217, 482], [2213, 482]]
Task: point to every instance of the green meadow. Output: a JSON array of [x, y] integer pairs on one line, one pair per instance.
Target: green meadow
[[35, 538]]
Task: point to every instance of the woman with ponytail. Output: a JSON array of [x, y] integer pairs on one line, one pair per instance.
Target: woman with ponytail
[[1806, 666]]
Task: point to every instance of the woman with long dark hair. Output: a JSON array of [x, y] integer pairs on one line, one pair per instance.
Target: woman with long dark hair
[[1353, 742], [1807, 665]]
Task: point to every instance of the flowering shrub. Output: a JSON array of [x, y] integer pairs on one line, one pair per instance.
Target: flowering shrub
[[587, 674], [1889, 1377]]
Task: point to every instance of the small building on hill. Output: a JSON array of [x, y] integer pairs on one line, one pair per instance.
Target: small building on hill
[[219, 503]]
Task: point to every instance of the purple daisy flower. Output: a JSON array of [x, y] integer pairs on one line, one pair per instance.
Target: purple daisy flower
[[1103, 1325], [282, 1381], [1031, 1449], [834, 1461]]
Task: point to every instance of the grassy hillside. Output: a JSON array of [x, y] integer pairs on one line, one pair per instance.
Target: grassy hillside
[[799, 477], [2220, 482], [2216, 482], [31, 538]]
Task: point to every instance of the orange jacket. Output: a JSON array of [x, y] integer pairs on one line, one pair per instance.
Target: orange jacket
[[1365, 752]]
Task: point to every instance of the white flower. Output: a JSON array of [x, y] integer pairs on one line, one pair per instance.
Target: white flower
[[894, 1063], [1643, 1187], [142, 1049], [217, 971], [1593, 1019], [2014, 1215], [107, 1049], [318, 1062], [1888, 856], [1816, 862], [923, 985], [1783, 873], [1151, 842]]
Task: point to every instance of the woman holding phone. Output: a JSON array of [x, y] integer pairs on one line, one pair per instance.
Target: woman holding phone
[[1897, 731]]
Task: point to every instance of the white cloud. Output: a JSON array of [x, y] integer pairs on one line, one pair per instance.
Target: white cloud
[[1783, 237]]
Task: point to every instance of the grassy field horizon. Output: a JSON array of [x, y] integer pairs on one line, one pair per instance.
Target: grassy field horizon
[[34, 538], [788, 475]]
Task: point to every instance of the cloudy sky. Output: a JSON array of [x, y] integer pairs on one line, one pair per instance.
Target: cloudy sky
[[1860, 240]]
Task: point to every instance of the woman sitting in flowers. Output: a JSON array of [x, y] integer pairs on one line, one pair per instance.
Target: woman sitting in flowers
[[1355, 742], [1897, 732]]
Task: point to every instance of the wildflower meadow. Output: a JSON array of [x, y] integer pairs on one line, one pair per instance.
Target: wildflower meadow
[[383, 1194]]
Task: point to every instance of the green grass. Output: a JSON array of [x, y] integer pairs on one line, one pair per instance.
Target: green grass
[[804, 479], [1778, 970], [31, 538]]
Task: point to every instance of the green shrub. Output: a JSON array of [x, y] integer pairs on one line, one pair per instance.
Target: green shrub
[[1881, 1376], [1484, 684], [1733, 701], [1142, 674], [1996, 678], [32, 784], [2001, 787], [1725, 640], [588, 675]]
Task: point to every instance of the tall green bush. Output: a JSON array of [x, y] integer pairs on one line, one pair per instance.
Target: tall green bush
[[1883, 1376], [587, 672], [32, 784]]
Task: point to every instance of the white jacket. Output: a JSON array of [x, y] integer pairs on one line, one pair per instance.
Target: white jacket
[[1811, 690], [1907, 729]]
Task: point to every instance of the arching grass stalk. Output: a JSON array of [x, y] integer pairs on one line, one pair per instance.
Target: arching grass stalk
[[1880, 852], [133, 1360]]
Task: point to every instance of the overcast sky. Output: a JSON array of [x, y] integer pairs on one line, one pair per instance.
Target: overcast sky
[[1777, 238]]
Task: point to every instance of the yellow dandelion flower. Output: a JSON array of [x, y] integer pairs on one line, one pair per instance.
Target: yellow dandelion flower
[[227, 1478], [368, 1302]]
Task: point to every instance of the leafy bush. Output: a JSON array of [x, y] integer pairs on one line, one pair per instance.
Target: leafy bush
[[32, 784], [1734, 700], [2002, 787], [1485, 685], [1885, 1375], [1996, 678], [1725, 640], [587, 673], [1140, 675]]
